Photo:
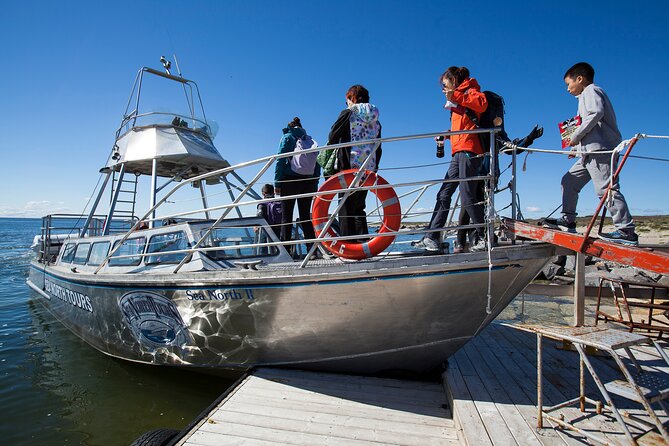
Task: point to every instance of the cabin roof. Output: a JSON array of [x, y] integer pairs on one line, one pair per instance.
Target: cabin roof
[[179, 151]]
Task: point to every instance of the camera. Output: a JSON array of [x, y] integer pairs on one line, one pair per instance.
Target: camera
[[440, 146]]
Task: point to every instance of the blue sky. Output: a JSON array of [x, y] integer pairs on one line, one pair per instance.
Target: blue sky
[[68, 68]]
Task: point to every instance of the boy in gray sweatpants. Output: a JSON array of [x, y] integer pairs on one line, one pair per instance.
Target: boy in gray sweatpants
[[598, 132]]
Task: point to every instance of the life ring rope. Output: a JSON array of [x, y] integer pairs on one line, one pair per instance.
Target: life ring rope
[[392, 215]]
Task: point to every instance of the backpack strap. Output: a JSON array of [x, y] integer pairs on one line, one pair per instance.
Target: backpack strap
[[471, 114]]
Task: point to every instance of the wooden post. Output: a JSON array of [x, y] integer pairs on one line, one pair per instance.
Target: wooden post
[[579, 290]]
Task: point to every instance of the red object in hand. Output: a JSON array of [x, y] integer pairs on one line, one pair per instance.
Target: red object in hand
[[567, 128]]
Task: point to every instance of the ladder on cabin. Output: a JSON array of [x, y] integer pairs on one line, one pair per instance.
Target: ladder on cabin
[[122, 203]]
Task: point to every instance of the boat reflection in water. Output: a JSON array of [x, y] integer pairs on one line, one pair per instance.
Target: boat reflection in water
[[212, 288]]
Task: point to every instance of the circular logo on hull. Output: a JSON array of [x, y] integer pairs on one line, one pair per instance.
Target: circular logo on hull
[[154, 320]]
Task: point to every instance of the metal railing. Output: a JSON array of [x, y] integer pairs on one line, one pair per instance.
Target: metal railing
[[266, 162], [66, 226]]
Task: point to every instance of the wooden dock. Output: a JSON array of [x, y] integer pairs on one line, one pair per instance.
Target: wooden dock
[[492, 385], [488, 397], [274, 406]]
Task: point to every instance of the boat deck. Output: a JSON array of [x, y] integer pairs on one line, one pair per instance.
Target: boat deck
[[489, 398]]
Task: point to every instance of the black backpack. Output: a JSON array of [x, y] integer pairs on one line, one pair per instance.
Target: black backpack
[[492, 117], [488, 119]]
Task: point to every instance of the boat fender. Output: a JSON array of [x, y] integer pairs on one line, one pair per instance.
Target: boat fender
[[156, 437], [392, 215]]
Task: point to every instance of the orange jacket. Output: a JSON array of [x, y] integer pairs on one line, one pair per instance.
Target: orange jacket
[[468, 94]]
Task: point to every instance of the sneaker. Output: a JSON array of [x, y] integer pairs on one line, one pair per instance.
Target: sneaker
[[479, 246], [621, 236], [427, 244], [561, 224]]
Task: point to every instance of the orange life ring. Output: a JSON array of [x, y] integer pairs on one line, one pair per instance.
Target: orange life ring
[[392, 216]]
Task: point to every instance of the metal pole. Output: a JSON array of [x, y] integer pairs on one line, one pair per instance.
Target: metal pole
[[514, 204], [491, 182], [250, 192], [95, 205], [204, 199], [154, 167], [579, 290], [540, 410], [112, 206], [581, 376]]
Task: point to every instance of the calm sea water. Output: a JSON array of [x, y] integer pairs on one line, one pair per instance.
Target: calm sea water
[[57, 390]]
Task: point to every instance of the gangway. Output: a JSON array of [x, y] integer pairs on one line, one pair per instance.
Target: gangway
[[644, 258]]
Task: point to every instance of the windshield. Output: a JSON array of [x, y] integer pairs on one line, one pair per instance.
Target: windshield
[[160, 117]]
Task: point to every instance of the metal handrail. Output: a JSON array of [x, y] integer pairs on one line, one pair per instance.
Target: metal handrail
[[282, 243], [269, 160], [134, 117]]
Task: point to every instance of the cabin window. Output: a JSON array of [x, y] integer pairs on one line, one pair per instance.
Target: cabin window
[[68, 253], [232, 239], [81, 253], [98, 253], [132, 247], [172, 241]]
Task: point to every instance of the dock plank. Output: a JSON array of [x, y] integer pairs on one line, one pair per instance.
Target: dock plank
[[564, 379], [498, 431], [359, 421], [490, 384], [519, 395], [497, 389], [464, 410], [379, 432], [337, 409], [298, 407], [524, 374], [560, 381]]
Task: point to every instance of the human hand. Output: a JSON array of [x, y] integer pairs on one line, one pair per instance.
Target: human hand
[[448, 93], [277, 190]]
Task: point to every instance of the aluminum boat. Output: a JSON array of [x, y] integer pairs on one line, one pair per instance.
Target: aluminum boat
[[211, 286]]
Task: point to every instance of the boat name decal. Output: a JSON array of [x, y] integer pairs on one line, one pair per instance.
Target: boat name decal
[[66, 295], [154, 320], [230, 294]]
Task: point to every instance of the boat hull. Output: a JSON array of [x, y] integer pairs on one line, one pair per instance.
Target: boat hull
[[408, 315]]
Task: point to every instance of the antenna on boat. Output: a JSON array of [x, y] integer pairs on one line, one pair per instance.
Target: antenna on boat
[[191, 107]]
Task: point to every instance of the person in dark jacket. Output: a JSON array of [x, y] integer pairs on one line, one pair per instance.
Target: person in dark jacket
[[359, 121], [288, 183], [271, 211]]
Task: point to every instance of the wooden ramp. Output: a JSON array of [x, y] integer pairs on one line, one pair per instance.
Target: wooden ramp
[[492, 385], [644, 258], [275, 406]]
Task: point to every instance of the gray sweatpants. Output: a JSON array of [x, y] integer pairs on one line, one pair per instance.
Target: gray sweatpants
[[595, 167]]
